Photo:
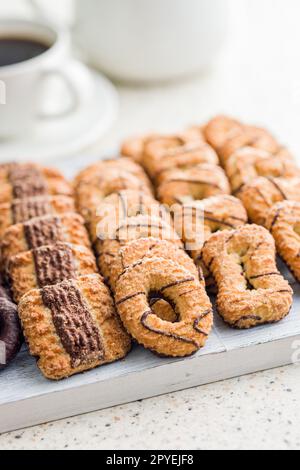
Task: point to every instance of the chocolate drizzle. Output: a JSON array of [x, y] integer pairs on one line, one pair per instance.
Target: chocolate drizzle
[[26, 209], [177, 283], [54, 264], [43, 232], [276, 185], [74, 323], [252, 278], [144, 319], [129, 297], [27, 181]]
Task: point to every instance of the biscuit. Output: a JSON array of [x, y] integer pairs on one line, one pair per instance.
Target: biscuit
[[20, 181], [43, 231], [253, 137], [249, 163], [161, 278], [197, 222], [220, 129], [114, 167], [251, 290], [10, 329], [115, 262], [72, 327], [90, 195], [122, 205], [283, 222], [22, 210], [200, 182], [168, 153], [260, 196], [49, 265]]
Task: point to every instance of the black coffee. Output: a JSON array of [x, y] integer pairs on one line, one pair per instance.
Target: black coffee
[[15, 50]]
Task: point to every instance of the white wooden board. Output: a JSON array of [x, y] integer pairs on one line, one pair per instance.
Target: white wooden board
[[27, 399]]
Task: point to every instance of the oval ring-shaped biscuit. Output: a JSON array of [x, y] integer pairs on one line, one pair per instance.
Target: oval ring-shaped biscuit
[[200, 182], [260, 196], [249, 163], [283, 222], [114, 264], [164, 279], [251, 290]]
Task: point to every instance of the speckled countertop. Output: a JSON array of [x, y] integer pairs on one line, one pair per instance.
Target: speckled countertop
[[260, 411], [258, 79]]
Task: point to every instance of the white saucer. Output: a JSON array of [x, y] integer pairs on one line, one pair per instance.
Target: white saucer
[[64, 136]]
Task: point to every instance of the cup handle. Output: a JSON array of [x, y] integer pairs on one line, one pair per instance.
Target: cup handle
[[78, 80]]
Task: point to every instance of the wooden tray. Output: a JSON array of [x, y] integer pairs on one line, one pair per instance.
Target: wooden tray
[[27, 399]]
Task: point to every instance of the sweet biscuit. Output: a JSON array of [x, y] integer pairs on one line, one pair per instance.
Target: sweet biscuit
[[173, 152], [43, 231], [115, 262], [72, 327], [283, 222], [90, 195], [200, 182], [251, 290], [22, 210], [220, 129], [49, 265], [198, 220], [123, 205], [260, 196], [161, 278], [249, 163], [20, 181]]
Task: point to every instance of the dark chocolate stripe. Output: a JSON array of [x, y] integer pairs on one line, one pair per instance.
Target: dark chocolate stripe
[[164, 333], [74, 323], [198, 320], [252, 278], [43, 232], [54, 264], [130, 297], [177, 283], [123, 204], [276, 185], [274, 221], [184, 150], [246, 318], [193, 181], [26, 209], [27, 181]]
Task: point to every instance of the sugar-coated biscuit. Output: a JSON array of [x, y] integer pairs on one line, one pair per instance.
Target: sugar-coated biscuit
[[260, 196], [90, 194], [161, 278], [49, 265], [121, 206], [200, 182], [283, 222], [43, 231], [22, 210], [248, 163], [197, 221], [115, 262], [73, 327], [179, 152], [251, 290], [25, 180]]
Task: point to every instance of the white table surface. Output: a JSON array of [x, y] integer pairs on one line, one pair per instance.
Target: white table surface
[[258, 79]]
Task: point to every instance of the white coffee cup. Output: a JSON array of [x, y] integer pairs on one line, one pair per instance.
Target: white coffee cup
[[22, 85], [150, 40]]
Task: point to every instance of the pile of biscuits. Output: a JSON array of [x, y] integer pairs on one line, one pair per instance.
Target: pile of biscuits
[[159, 296], [238, 260], [265, 177], [66, 311]]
